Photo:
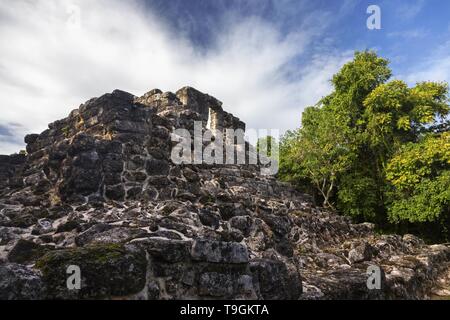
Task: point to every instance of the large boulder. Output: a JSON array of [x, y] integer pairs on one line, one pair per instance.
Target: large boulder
[[25, 251], [167, 250], [275, 280], [219, 251], [361, 252], [106, 271]]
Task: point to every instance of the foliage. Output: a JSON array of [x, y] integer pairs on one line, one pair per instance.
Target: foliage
[[324, 150], [360, 144], [290, 168], [358, 196], [419, 175], [268, 146]]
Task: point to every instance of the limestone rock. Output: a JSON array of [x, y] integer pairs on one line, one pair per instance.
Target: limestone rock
[[275, 280], [216, 284], [25, 251], [106, 271], [362, 252], [219, 252], [167, 250], [18, 282]]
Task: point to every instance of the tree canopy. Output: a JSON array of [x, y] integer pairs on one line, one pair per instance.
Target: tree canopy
[[370, 136]]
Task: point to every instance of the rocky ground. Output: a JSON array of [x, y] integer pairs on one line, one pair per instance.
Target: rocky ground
[[98, 190]]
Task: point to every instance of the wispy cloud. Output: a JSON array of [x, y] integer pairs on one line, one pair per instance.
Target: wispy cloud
[[410, 9], [434, 68], [409, 34], [55, 55]]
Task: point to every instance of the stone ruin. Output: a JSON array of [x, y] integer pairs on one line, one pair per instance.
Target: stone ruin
[[114, 147], [98, 190]]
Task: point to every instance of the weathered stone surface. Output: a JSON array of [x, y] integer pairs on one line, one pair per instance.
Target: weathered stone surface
[[25, 251], [275, 281], [216, 284], [106, 270], [18, 282], [219, 252], [360, 253], [9, 234], [10, 167], [68, 226], [167, 250], [90, 234], [114, 235], [209, 218], [19, 219], [157, 167], [243, 223]]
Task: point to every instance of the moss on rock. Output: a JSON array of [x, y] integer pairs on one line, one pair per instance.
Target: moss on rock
[[107, 270]]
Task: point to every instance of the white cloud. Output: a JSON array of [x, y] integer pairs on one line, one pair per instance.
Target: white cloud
[[52, 59], [434, 68], [408, 10], [409, 34]]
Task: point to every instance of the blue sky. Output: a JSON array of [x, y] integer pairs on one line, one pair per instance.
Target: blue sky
[[412, 30], [266, 60]]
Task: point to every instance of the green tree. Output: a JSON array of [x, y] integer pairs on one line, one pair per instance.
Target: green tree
[[289, 166], [419, 177], [323, 150], [346, 141], [358, 188], [268, 146]]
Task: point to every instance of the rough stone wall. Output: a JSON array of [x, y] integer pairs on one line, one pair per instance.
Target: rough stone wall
[[208, 106], [10, 167], [87, 153], [116, 146]]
